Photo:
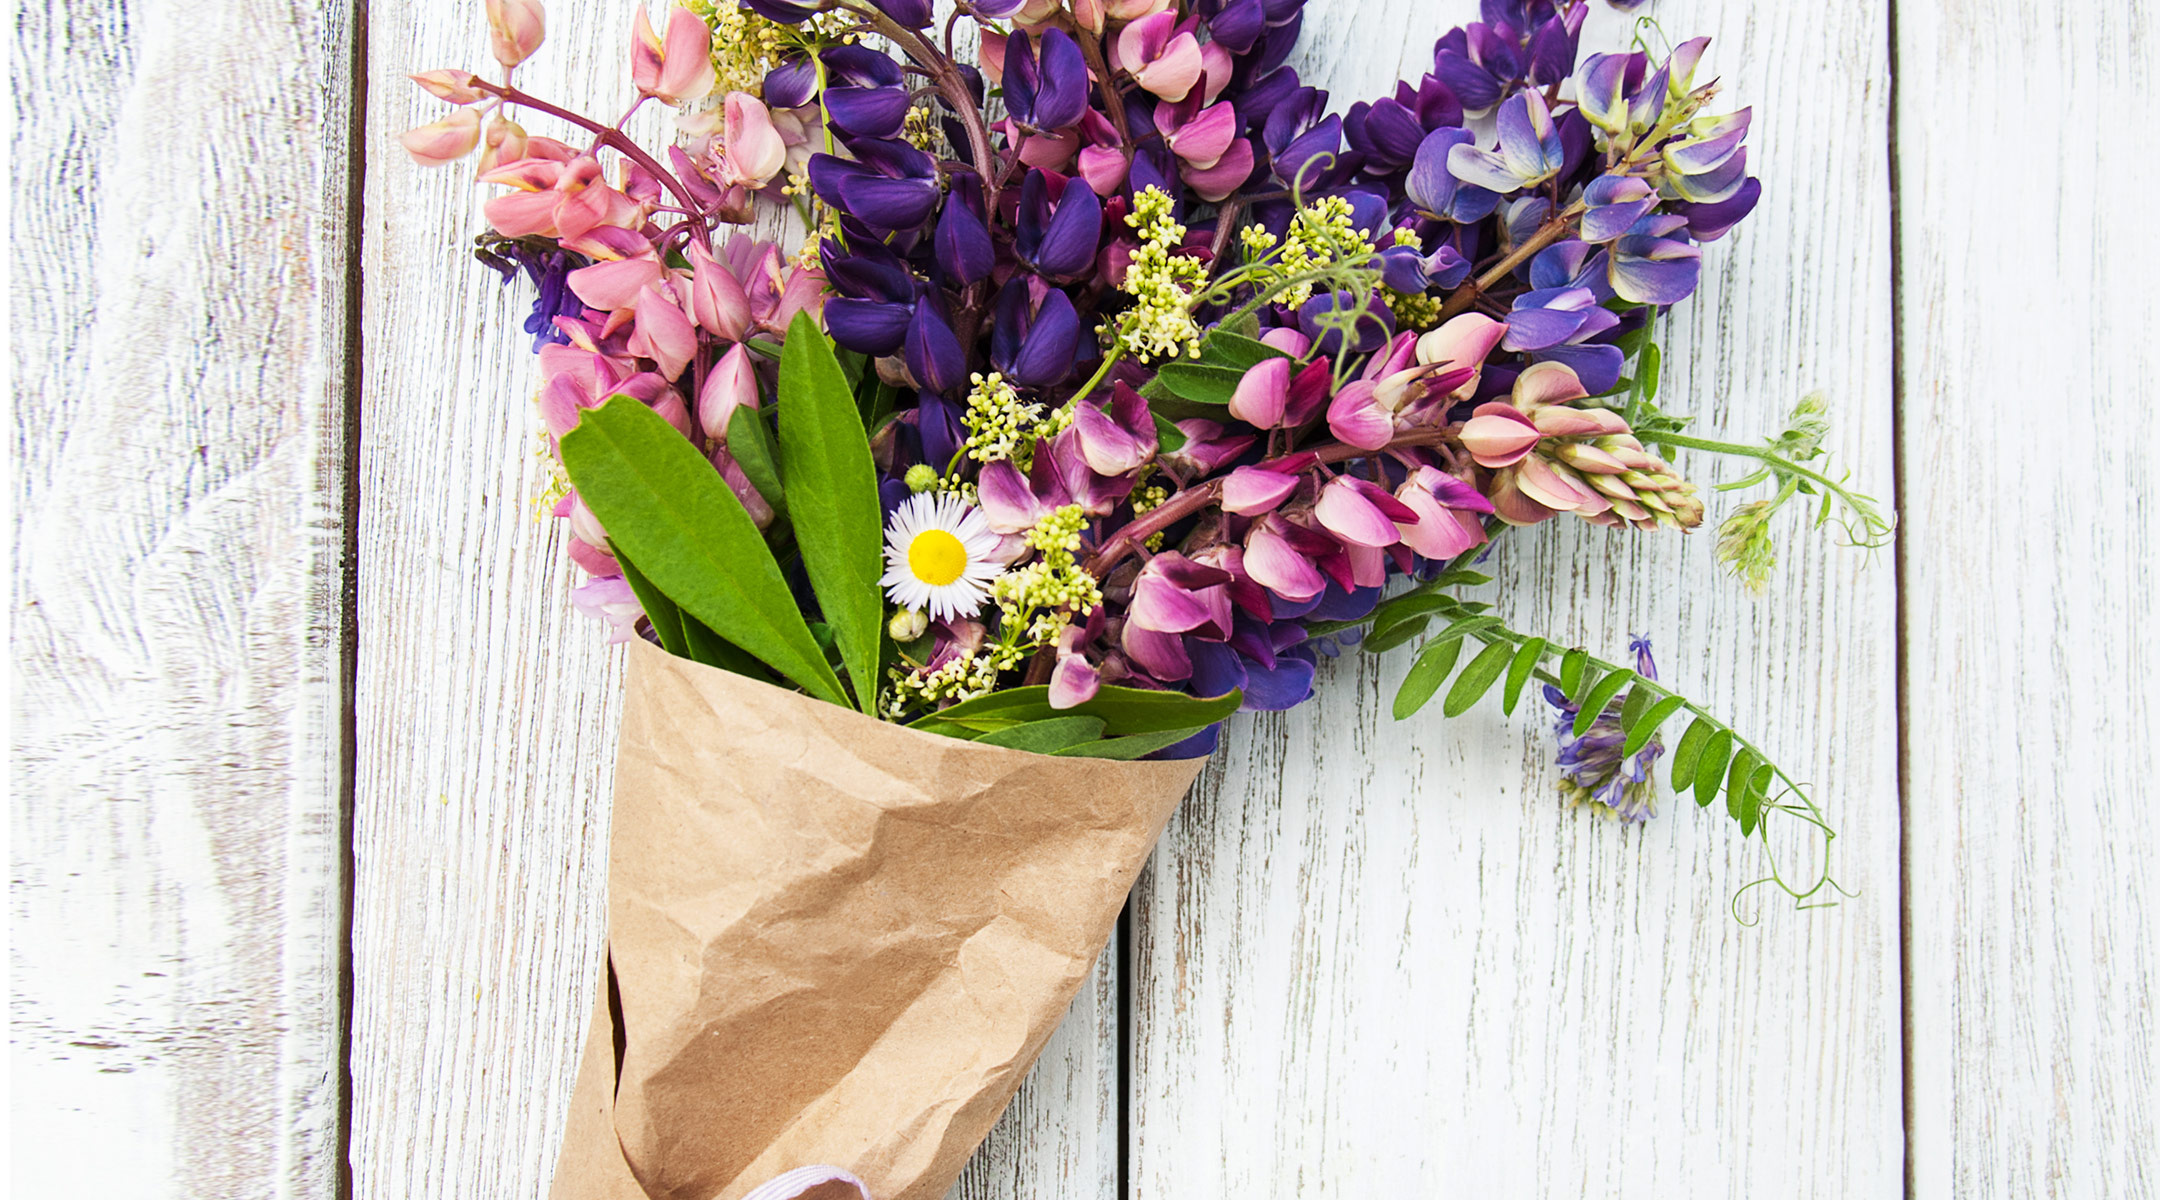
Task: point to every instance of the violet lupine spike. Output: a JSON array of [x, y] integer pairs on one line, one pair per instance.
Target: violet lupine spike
[[1592, 769]]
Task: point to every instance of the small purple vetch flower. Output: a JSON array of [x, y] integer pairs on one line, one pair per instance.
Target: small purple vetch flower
[[1591, 768]]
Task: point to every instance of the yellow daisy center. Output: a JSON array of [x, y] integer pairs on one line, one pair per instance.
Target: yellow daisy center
[[936, 557]]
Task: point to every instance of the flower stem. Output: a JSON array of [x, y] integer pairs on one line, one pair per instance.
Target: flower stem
[[1776, 461], [1552, 231], [955, 90], [605, 136]]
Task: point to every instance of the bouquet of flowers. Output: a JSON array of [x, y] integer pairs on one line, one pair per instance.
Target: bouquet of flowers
[[1097, 387]]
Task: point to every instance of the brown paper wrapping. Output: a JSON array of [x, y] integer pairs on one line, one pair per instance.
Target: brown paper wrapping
[[833, 940]]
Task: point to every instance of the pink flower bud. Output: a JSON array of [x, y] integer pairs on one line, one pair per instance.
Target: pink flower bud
[[717, 300], [515, 29], [1262, 394], [454, 86], [1089, 15], [663, 332], [1498, 436], [1356, 418], [1250, 491], [731, 385], [1362, 513], [750, 151], [501, 141], [677, 69], [444, 141]]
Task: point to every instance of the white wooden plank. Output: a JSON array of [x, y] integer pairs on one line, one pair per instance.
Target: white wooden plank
[[1379, 959], [179, 327], [2029, 367], [488, 708]]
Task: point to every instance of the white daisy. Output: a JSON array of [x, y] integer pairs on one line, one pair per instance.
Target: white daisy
[[937, 556]]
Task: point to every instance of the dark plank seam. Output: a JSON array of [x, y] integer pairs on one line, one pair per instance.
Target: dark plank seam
[[356, 31], [1897, 495]]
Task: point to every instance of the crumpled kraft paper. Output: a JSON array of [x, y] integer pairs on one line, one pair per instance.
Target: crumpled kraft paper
[[833, 940]]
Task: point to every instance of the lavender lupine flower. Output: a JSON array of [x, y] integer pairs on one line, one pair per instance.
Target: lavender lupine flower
[[1530, 150], [1591, 769], [549, 271]]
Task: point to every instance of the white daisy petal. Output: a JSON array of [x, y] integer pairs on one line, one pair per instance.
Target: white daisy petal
[[937, 550]]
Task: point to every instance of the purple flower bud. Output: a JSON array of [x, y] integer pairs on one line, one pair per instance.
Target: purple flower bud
[[787, 12], [868, 112], [1709, 222], [1046, 354], [867, 326], [964, 250], [1313, 159], [1239, 25], [1059, 243], [1650, 270], [1552, 48], [912, 13], [934, 356]]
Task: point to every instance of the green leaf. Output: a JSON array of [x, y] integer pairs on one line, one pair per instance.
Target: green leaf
[[833, 495], [1395, 635], [1737, 778], [1757, 795], [715, 651], [752, 445], [1519, 672], [1426, 675], [1169, 439], [665, 507], [1638, 699], [1126, 749], [1242, 353], [667, 621], [1245, 324], [1572, 665], [1463, 578], [1477, 678], [1688, 752], [1600, 696], [1200, 383], [1122, 710], [1710, 768], [1645, 725], [1046, 737], [1646, 374]]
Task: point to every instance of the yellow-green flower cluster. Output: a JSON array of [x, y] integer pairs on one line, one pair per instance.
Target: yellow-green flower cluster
[[1000, 424], [1163, 284], [746, 46], [1040, 599], [1320, 236], [1146, 500], [963, 678]]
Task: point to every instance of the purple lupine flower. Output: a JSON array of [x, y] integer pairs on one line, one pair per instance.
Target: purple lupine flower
[[864, 92], [1648, 267], [962, 246], [912, 13], [1436, 191], [1554, 326], [1034, 341], [933, 352], [1046, 88], [1530, 150], [550, 272], [792, 83], [891, 185], [1058, 236], [1591, 769], [787, 12]]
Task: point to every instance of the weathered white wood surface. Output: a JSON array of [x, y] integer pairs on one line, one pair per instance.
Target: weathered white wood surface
[[2029, 372], [178, 327], [487, 708], [1378, 959]]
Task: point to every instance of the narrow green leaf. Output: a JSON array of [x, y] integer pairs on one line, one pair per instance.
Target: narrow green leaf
[[1046, 737], [1638, 699], [1225, 349], [667, 509], [1126, 749], [1426, 675], [1653, 364], [1688, 752], [752, 445], [715, 651], [1477, 678], [1601, 695], [1737, 778], [1122, 710], [1645, 725], [1169, 439], [667, 621], [833, 495], [1519, 672], [1200, 383], [1394, 635], [1572, 666], [1466, 626], [1464, 578], [1758, 794], [943, 729], [1710, 768]]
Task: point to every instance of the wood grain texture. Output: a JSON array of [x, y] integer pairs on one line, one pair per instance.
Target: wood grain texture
[[487, 707], [2029, 360], [1378, 959], [178, 332]]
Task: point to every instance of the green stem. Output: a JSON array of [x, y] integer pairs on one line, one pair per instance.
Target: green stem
[[1776, 461]]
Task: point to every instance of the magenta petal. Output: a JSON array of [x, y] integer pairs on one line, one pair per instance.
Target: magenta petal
[[1274, 565], [1164, 607], [1073, 682], [1159, 654], [1356, 418], [1008, 504], [1262, 394], [1353, 518], [1250, 491]]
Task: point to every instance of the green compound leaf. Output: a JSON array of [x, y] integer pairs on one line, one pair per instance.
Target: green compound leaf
[[1601, 694], [666, 509], [1426, 675], [1519, 672], [1645, 725], [1383, 640], [1688, 751], [1477, 678], [832, 492], [1710, 768]]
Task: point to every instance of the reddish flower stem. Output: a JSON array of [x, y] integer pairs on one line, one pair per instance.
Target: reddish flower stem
[[1551, 231], [1193, 499], [615, 138]]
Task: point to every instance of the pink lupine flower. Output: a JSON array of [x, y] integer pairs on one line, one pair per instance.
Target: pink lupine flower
[[1447, 510], [557, 199], [717, 300], [454, 86], [1162, 58], [1356, 418], [1075, 680], [439, 143], [1008, 504], [1496, 435], [1208, 446], [1251, 491], [679, 68], [731, 384], [624, 265], [1116, 440], [610, 599], [753, 502], [502, 140], [515, 29], [1089, 15], [1290, 341], [1279, 556], [749, 150], [1362, 513], [662, 332], [1270, 396], [1174, 594], [1133, 10], [1201, 139]]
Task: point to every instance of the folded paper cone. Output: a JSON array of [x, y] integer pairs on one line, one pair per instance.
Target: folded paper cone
[[832, 939]]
